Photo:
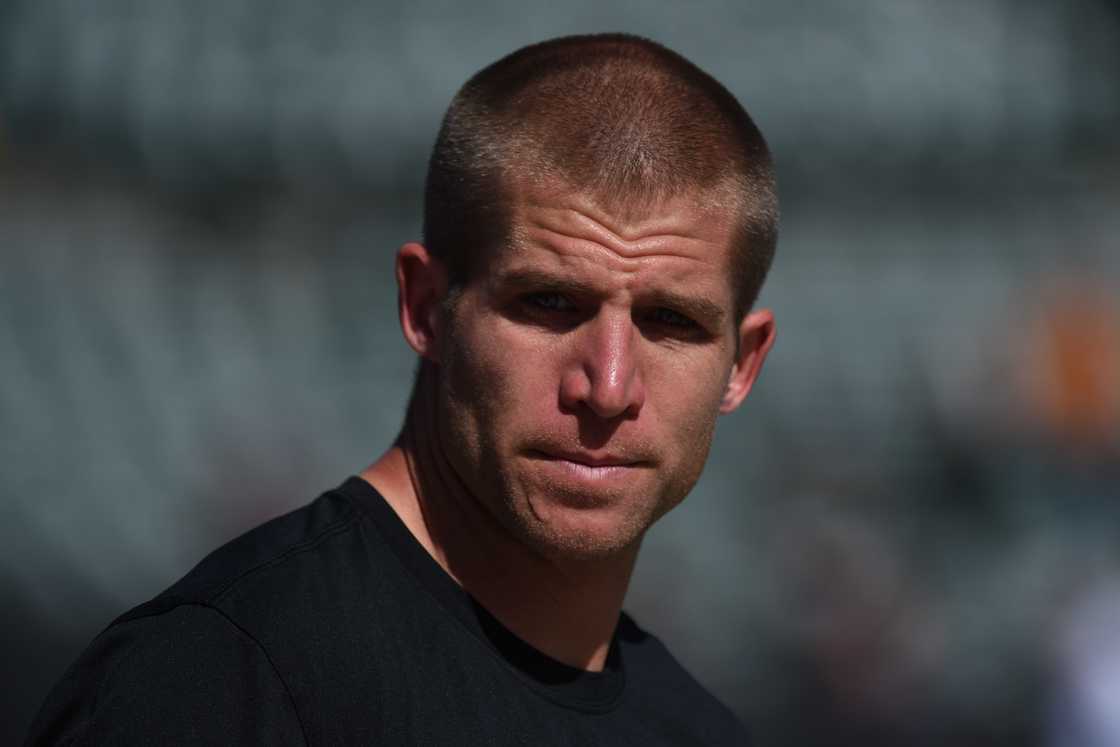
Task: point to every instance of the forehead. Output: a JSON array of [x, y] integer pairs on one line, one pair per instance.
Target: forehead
[[684, 241]]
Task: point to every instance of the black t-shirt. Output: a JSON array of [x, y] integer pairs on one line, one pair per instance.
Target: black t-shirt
[[332, 625]]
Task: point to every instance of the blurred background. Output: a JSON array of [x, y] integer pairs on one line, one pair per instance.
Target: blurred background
[[907, 536]]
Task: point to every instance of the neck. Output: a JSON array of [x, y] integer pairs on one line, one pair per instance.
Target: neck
[[567, 609]]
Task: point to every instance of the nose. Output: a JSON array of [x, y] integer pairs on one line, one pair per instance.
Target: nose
[[604, 374]]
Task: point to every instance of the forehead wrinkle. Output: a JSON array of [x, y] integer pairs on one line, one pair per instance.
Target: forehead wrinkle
[[627, 220], [582, 231]]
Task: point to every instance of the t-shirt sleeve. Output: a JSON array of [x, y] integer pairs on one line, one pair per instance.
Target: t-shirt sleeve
[[185, 676]]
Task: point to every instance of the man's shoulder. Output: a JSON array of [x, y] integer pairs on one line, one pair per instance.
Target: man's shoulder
[[669, 696], [154, 678], [279, 545], [324, 566], [237, 625]]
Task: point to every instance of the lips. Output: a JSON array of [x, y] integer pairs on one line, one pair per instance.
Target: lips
[[587, 458], [583, 479]]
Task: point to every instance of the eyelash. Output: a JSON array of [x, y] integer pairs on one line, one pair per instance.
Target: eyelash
[[550, 302], [675, 319]]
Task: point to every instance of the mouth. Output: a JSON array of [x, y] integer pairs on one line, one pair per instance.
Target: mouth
[[594, 471], [589, 460], [588, 480]]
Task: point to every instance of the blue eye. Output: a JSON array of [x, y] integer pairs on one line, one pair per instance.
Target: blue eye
[[550, 302], [671, 318]]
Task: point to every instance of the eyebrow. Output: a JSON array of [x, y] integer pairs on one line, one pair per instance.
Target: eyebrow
[[691, 306], [539, 279], [695, 307]]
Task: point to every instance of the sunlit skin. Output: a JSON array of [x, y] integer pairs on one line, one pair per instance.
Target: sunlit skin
[[568, 400]]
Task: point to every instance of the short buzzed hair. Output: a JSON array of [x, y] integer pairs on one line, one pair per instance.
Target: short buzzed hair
[[615, 116]]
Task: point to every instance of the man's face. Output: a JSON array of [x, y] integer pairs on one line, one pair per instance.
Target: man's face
[[582, 371]]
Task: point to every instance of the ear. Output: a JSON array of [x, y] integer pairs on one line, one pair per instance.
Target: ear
[[421, 288], [756, 337]]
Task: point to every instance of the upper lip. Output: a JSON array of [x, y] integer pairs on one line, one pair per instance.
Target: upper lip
[[590, 459]]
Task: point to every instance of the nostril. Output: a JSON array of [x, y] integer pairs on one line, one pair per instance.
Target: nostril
[[615, 396]]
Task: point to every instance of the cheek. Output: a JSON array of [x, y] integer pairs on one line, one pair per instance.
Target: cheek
[[685, 406], [688, 389], [491, 380], [689, 440]]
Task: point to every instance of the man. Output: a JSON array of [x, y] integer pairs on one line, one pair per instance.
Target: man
[[599, 217]]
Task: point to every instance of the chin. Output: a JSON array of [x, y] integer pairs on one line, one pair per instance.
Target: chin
[[581, 527]]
